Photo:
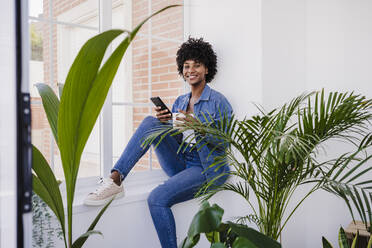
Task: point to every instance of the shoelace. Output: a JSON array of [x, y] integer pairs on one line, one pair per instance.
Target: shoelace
[[104, 183]]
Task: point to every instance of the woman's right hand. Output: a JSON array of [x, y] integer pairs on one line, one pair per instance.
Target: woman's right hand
[[162, 115]]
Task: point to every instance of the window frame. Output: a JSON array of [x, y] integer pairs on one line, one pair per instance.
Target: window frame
[[105, 8], [141, 177]]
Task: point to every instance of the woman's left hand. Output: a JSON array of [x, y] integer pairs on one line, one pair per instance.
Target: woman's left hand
[[187, 119]]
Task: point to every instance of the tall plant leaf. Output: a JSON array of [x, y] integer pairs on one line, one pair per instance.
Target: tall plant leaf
[[46, 186], [73, 103], [84, 93], [345, 180], [51, 106]]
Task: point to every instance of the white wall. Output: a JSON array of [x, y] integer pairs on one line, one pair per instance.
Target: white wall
[[234, 30], [269, 51], [310, 45], [130, 224], [283, 51]]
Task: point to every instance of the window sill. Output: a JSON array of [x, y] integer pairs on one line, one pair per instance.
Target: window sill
[[137, 188], [132, 194]]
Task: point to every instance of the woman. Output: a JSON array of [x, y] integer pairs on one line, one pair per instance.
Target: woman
[[187, 171]]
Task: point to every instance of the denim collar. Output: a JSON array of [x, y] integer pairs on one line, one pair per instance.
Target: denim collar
[[205, 94], [204, 97]]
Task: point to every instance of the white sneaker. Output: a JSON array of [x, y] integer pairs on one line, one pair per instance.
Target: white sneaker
[[104, 193]]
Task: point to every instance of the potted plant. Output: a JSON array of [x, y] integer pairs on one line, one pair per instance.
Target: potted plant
[[278, 151], [72, 119], [223, 235], [343, 242]]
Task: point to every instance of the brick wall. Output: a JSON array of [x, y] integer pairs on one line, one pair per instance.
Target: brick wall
[[164, 78]]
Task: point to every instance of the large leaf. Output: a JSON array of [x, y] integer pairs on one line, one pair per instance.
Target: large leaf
[[84, 93], [258, 239], [81, 240], [241, 242], [51, 106], [208, 219], [78, 86], [46, 186]]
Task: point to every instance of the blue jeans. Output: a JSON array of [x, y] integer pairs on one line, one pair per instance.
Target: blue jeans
[[184, 170]]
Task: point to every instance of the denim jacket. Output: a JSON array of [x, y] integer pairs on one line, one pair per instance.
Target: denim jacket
[[210, 102]]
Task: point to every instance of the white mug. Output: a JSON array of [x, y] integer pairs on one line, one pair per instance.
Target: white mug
[[177, 123]]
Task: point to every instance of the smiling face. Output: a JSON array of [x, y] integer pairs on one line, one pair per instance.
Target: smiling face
[[194, 72]]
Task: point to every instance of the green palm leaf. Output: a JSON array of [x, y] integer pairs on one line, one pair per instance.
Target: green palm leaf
[[84, 93], [274, 153], [79, 84], [51, 106], [46, 186], [347, 182]]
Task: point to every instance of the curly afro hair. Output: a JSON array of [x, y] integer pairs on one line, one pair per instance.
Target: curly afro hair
[[199, 51]]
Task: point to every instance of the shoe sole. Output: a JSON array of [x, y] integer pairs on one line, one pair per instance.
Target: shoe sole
[[104, 201]]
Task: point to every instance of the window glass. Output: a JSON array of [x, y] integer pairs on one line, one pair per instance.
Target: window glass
[[39, 73], [148, 70], [58, 29], [123, 129], [55, 39]]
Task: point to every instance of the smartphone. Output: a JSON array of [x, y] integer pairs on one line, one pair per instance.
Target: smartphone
[[159, 103]]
